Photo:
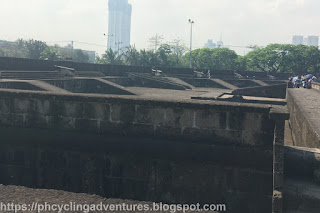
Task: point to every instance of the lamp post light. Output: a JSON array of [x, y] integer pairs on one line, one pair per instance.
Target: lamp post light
[[191, 23]]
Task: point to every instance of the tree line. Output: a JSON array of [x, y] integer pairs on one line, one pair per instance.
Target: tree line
[[34, 49], [274, 58]]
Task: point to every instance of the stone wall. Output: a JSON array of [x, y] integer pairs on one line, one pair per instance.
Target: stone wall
[[302, 179], [316, 85], [133, 148], [303, 132], [7, 63], [272, 91]]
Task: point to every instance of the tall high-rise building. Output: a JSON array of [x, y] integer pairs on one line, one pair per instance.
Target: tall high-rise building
[[119, 28], [297, 40], [313, 41]]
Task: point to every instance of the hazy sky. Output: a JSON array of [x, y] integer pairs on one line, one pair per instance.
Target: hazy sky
[[240, 22]]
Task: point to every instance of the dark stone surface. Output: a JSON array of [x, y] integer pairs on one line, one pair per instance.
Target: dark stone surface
[[304, 108], [135, 148], [19, 85], [272, 91], [88, 86]]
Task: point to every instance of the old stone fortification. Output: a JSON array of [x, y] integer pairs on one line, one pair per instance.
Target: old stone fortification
[[302, 158], [116, 70], [271, 91], [152, 150], [304, 119]]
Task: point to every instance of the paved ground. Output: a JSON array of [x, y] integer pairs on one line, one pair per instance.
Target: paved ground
[[176, 94], [37, 197]]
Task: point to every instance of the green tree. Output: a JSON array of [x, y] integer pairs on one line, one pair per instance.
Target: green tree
[[50, 53], [275, 58], [80, 56], [111, 57], [218, 58], [132, 57], [34, 48]]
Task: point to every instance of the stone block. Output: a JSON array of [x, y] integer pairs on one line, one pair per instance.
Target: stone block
[[258, 139], [86, 125], [277, 180], [179, 117], [227, 137], [235, 120], [72, 109], [61, 123], [210, 120], [252, 122], [12, 120], [42, 107], [199, 135], [96, 111], [150, 115], [123, 113], [167, 132], [22, 106], [5, 106], [125, 129]]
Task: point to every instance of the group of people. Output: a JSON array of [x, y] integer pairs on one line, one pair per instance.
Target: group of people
[[304, 81]]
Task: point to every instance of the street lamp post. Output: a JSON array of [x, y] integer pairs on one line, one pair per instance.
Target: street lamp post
[[191, 23], [108, 36], [118, 43]]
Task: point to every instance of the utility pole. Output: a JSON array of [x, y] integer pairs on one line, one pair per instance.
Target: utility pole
[[191, 23], [176, 44], [155, 41]]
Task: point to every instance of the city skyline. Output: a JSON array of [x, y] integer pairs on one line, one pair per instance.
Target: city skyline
[[241, 22], [309, 40]]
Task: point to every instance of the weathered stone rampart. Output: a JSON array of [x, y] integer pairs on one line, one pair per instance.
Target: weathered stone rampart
[[302, 105], [152, 150]]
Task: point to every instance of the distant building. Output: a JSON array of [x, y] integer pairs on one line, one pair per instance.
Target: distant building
[[119, 27], [297, 40], [67, 52], [313, 41], [310, 40], [210, 44], [219, 44]]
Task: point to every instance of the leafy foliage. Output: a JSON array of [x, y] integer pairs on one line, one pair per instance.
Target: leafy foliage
[[273, 58]]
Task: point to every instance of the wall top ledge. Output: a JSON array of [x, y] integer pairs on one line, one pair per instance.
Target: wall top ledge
[[152, 102], [279, 113]]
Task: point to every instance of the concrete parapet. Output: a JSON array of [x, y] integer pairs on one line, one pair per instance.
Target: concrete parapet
[[136, 148], [316, 85], [304, 121]]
